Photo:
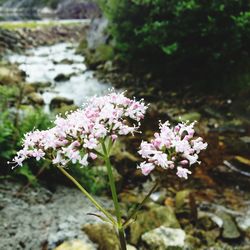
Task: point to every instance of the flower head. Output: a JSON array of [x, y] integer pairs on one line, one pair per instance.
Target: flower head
[[77, 137], [172, 148]]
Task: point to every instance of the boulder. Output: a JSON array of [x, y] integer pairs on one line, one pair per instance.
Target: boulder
[[59, 101], [229, 228], [28, 88], [105, 236], [62, 77], [243, 222], [97, 34], [192, 116], [75, 245], [100, 55], [9, 75], [40, 85], [36, 99], [102, 234], [186, 205], [164, 238], [151, 219]]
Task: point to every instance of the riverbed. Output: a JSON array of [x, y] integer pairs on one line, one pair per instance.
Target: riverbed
[[62, 70], [37, 218]]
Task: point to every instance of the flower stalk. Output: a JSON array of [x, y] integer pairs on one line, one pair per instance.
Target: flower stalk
[[120, 228], [90, 197]]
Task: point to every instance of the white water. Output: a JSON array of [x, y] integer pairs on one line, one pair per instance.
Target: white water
[[43, 64]]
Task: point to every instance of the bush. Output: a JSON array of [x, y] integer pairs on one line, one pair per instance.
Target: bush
[[183, 40]]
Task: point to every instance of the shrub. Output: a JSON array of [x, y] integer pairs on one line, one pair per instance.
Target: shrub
[[183, 40]]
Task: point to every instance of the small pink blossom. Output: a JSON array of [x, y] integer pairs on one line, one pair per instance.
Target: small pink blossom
[[183, 172], [83, 130], [173, 147], [146, 168]]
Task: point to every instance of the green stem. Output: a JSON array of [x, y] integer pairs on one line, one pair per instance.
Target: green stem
[[112, 185], [134, 212], [84, 191], [115, 198], [122, 238]]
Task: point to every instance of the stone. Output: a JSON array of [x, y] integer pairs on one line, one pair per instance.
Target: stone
[[151, 219], [59, 101], [181, 199], [28, 88], [102, 54], [66, 61], [206, 222], [9, 75], [130, 247], [41, 85], [97, 34], [164, 238], [245, 139], [75, 245], [36, 98], [159, 197], [243, 221], [192, 116], [105, 236], [186, 205], [229, 228], [102, 234], [62, 77], [65, 109], [108, 66]]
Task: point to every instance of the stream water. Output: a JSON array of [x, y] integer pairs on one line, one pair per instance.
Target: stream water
[[43, 64]]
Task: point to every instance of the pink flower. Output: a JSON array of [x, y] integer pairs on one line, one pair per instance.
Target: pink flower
[[146, 168], [173, 147], [183, 172], [83, 130], [92, 156]]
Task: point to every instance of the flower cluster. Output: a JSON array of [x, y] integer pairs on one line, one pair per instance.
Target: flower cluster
[[77, 137], [172, 148]]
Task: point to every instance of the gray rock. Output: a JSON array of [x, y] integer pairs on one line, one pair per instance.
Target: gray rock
[[62, 78], [245, 139], [192, 116], [243, 221], [164, 238], [27, 222], [102, 234], [59, 101], [229, 228], [151, 219], [96, 35], [75, 245], [36, 98]]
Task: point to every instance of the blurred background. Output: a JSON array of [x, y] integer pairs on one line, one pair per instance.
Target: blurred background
[[188, 58]]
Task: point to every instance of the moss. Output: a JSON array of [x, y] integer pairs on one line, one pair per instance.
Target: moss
[[83, 45], [102, 54], [34, 24]]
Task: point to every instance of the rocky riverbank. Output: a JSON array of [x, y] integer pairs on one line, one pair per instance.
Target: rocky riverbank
[[62, 9], [19, 39], [37, 218]]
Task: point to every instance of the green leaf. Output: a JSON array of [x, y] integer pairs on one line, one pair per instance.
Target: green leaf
[[170, 49]]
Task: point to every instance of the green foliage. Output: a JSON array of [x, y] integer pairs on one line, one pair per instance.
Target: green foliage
[[94, 179], [6, 136], [25, 171], [35, 119], [15, 121], [7, 128], [183, 40]]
